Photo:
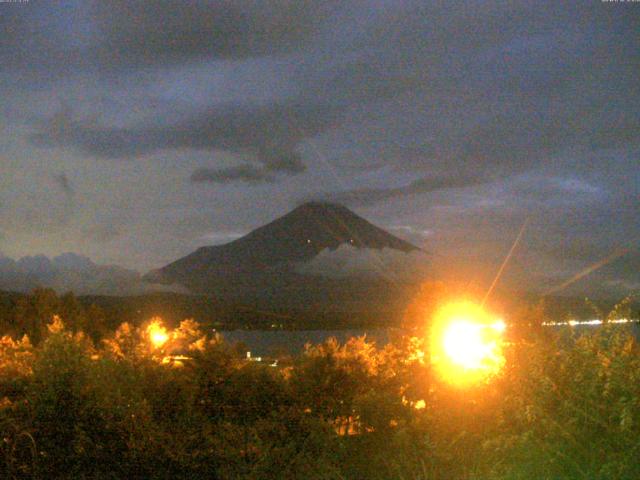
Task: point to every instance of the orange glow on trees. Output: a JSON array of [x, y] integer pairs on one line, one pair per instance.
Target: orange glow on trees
[[466, 343]]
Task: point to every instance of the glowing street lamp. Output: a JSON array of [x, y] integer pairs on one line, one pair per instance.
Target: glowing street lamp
[[157, 334], [466, 343]]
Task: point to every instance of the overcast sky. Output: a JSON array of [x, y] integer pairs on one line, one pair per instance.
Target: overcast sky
[[134, 132]]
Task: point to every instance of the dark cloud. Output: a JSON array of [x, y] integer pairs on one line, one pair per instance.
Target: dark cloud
[[117, 34], [64, 183], [369, 196], [149, 31], [515, 90], [270, 134], [245, 172], [494, 93]]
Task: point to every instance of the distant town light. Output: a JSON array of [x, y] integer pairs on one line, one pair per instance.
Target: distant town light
[[595, 321]]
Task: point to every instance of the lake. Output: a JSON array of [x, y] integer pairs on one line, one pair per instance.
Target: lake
[[268, 342]]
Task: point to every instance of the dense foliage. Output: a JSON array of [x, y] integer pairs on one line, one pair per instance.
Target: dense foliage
[[19, 312], [153, 402]]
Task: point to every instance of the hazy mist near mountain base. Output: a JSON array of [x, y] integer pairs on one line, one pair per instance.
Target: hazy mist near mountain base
[[76, 273], [348, 261]]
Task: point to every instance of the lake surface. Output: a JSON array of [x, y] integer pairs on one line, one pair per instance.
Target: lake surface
[[270, 342]]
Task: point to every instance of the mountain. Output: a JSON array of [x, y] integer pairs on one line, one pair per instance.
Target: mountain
[[263, 263], [71, 272]]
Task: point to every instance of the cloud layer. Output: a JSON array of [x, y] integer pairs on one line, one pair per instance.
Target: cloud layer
[[388, 264], [70, 272]]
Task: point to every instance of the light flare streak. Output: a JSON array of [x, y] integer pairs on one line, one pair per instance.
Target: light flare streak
[[592, 268]]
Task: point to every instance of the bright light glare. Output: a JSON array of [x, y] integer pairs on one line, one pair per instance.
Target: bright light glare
[[466, 343], [499, 326], [157, 334]]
